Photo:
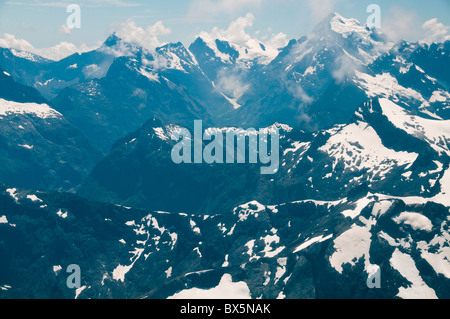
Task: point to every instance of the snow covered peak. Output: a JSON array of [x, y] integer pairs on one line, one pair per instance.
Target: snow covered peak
[[117, 46], [235, 44], [435, 132], [336, 25], [148, 60], [251, 50], [346, 27], [28, 56], [39, 110], [176, 56], [359, 42], [340, 25]]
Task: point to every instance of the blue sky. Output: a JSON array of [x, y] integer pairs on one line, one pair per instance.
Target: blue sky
[[39, 22]]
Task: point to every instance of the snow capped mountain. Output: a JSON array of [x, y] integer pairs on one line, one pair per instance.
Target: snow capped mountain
[[137, 85], [28, 56], [308, 71], [347, 63], [42, 111], [115, 180], [236, 46], [379, 184], [362, 187], [337, 40], [369, 42], [169, 56], [415, 70], [341, 59], [231, 57], [247, 54], [79, 68], [39, 148]]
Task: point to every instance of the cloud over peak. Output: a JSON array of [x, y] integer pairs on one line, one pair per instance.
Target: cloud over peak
[[248, 46], [147, 38], [56, 52], [435, 31]]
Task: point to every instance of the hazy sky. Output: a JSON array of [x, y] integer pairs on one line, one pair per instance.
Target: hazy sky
[[41, 23]]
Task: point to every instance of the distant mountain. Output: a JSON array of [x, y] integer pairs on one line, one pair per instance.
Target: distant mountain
[[362, 187], [216, 53], [13, 91], [112, 91], [316, 81], [313, 83], [39, 148], [50, 77], [293, 87], [231, 67], [137, 86]]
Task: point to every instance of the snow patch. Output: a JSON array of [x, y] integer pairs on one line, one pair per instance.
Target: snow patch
[[435, 132], [34, 198], [306, 244], [406, 266], [79, 291], [352, 245], [226, 289], [12, 193], [42, 111], [62, 214], [358, 147], [57, 269], [169, 272]]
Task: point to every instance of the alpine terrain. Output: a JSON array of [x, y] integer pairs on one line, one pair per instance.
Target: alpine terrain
[[359, 206]]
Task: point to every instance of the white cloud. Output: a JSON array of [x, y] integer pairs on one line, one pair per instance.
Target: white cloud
[[344, 66], [230, 81], [435, 31], [321, 9], [147, 38], [61, 50], [247, 45], [65, 29], [57, 52], [10, 41], [279, 40], [159, 29], [96, 71], [236, 31], [401, 24]]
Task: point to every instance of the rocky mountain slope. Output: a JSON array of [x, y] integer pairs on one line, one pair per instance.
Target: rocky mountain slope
[[361, 194], [39, 148]]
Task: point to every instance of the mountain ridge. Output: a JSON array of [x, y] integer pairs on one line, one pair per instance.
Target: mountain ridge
[[361, 190]]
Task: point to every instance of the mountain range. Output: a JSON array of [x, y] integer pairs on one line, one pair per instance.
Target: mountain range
[[363, 184]]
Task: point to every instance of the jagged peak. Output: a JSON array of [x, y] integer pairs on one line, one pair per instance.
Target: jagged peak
[[336, 23], [112, 40]]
